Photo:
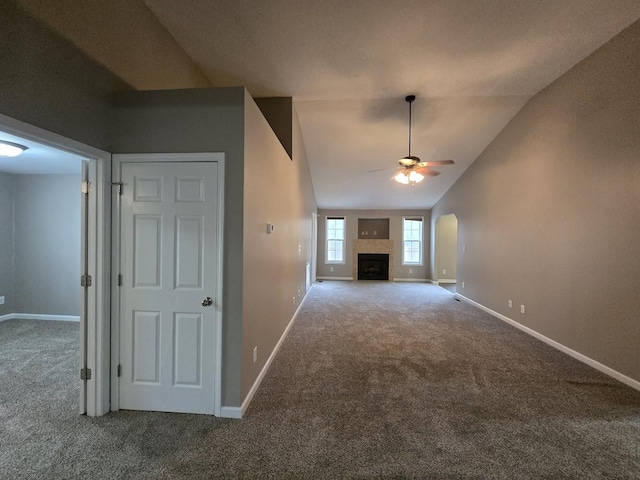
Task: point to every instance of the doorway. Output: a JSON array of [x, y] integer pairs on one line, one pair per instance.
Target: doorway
[[168, 263], [446, 251], [88, 191], [314, 246]]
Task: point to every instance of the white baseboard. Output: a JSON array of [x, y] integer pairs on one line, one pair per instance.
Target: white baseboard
[[577, 355], [335, 278], [39, 316], [446, 280], [238, 412], [231, 412], [421, 280]]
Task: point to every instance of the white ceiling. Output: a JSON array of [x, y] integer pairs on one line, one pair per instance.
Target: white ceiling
[[38, 159], [348, 64]]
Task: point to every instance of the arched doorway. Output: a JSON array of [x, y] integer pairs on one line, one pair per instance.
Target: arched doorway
[[446, 250]]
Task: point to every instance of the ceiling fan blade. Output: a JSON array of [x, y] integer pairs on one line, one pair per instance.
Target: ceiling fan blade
[[379, 170], [427, 171], [436, 163], [400, 170]]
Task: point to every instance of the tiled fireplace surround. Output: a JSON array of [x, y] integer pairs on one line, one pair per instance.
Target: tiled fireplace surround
[[372, 246]]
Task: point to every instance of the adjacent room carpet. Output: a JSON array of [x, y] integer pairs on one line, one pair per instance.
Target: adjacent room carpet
[[375, 380], [449, 286]]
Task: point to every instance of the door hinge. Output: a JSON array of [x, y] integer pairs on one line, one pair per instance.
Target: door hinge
[[86, 187], [119, 279], [85, 374], [85, 280], [120, 187], [119, 370]]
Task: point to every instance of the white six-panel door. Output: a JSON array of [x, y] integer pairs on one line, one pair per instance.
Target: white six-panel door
[[168, 265]]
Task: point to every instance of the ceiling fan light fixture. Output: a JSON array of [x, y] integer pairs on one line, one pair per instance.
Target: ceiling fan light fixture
[[412, 170], [409, 161], [402, 178], [415, 177], [410, 177], [10, 149]]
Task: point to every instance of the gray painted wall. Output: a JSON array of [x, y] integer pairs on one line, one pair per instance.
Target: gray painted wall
[[40, 244], [62, 90], [47, 244], [203, 120], [7, 181], [278, 111], [49, 83], [261, 184], [550, 212], [395, 234], [276, 190]]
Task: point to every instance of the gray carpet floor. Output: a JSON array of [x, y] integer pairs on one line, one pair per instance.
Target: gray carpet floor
[[375, 380], [451, 287]]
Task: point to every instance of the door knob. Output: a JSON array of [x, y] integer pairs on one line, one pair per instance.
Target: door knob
[[207, 302]]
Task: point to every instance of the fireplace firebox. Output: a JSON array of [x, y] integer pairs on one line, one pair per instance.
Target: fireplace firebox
[[373, 266]]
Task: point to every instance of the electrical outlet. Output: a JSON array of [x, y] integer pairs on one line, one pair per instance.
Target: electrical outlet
[[298, 292], [2, 300], [255, 354], [462, 284], [521, 308], [510, 304], [411, 270], [293, 300], [331, 269], [444, 270]]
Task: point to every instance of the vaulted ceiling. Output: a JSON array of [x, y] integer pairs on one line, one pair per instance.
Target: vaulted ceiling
[[348, 64]]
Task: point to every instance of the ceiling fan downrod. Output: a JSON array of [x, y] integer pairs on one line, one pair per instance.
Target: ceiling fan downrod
[[410, 99]]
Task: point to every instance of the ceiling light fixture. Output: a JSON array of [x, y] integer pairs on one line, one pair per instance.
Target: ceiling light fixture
[[10, 149], [411, 169], [412, 177], [409, 176]]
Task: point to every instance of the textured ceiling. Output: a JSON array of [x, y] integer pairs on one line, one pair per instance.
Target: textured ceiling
[[348, 64]]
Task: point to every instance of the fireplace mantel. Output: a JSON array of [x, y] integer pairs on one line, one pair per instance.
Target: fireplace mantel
[[372, 246]]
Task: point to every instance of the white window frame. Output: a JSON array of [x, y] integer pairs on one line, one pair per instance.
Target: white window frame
[[329, 239], [421, 240]]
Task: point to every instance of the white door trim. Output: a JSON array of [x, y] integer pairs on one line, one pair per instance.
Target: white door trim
[[98, 252], [84, 264], [117, 162]]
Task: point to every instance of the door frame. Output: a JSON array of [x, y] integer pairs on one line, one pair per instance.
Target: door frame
[[95, 340], [314, 247], [116, 165]]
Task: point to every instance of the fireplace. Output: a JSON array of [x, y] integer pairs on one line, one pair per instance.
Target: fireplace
[[373, 266], [378, 246]]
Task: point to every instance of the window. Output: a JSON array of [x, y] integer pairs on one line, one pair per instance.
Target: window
[[412, 241], [335, 240]]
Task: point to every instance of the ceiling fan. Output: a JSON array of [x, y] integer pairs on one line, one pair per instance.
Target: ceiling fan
[[411, 169]]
